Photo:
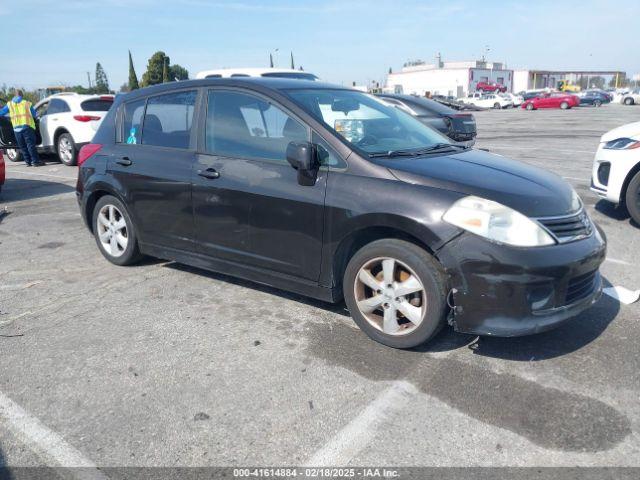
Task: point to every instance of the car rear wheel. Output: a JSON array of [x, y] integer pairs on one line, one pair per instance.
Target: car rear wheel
[[564, 105], [497, 106], [66, 148], [628, 101], [530, 106], [14, 155], [395, 292], [597, 103], [632, 198], [114, 231]]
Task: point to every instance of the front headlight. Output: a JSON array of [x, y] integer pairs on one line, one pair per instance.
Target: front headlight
[[622, 144], [576, 201], [496, 222]]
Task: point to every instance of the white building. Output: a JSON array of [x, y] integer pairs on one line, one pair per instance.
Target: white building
[[448, 78]]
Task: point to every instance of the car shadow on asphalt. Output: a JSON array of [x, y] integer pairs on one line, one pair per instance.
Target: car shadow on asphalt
[[615, 212], [18, 189], [571, 336]]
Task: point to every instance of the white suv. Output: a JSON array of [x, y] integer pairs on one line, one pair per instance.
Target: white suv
[[257, 72], [616, 168], [67, 122]]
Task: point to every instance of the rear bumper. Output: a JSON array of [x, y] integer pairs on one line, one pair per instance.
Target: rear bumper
[[505, 291]]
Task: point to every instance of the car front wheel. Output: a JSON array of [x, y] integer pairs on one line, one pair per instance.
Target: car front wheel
[[66, 148], [628, 101], [396, 293], [564, 105], [529, 106], [114, 231], [14, 155], [632, 198]]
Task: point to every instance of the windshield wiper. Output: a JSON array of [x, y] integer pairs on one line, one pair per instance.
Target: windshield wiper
[[414, 153]]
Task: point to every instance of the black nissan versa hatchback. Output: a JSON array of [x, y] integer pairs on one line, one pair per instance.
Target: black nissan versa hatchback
[[330, 193]]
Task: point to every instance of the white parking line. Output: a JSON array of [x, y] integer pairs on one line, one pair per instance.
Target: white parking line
[[20, 172], [619, 262], [37, 436], [354, 437]]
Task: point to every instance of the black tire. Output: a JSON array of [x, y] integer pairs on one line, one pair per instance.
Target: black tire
[[425, 267], [564, 105], [628, 101], [530, 106], [497, 106], [632, 198], [65, 144], [131, 253], [597, 103], [14, 155]]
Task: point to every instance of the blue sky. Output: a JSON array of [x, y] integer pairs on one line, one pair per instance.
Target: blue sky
[[339, 40]]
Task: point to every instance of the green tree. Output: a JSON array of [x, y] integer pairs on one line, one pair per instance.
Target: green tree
[[293, 65], [155, 68], [176, 72], [102, 83], [133, 78]]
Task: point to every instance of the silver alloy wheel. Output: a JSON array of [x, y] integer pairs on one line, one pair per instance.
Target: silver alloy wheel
[[390, 296], [12, 154], [65, 149], [112, 230]]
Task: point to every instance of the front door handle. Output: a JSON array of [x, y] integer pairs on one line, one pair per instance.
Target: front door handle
[[210, 173], [124, 161]]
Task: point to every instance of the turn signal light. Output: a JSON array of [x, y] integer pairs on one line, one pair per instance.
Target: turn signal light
[[88, 151], [85, 118]]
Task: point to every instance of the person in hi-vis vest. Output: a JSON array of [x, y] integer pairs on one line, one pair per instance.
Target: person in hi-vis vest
[[23, 115]]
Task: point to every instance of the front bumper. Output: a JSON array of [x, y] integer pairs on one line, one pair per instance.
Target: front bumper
[[506, 291]]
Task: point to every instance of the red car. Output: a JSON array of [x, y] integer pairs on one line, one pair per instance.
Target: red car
[[490, 87], [552, 100], [1, 170]]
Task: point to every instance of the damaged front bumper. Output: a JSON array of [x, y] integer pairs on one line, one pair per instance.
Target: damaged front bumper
[[507, 291]]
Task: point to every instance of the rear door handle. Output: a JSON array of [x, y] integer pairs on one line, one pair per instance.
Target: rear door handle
[[124, 161], [210, 173]]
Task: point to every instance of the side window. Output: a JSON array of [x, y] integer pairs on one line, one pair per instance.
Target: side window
[[168, 119], [42, 110], [242, 125], [57, 106], [327, 156], [131, 128]]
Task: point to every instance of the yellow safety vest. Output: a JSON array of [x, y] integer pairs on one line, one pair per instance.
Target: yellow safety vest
[[20, 114]]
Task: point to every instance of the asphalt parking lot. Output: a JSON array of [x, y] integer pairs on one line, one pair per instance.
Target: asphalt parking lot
[[161, 364]]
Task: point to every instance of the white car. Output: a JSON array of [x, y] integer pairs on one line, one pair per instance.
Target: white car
[[616, 169], [632, 98], [516, 100], [490, 100], [67, 121], [257, 72]]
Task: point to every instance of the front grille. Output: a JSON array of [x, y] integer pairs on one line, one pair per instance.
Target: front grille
[[568, 228], [581, 287]]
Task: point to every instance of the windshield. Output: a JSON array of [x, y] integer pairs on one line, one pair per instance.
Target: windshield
[[365, 122]]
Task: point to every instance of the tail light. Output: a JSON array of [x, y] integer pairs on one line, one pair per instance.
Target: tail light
[[87, 152], [86, 118]]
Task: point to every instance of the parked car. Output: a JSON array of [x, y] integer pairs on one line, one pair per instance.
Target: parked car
[[594, 98], [460, 127], [631, 98], [248, 177], [490, 87], [527, 95], [257, 72], [67, 121], [552, 100], [487, 100], [516, 100], [2, 171], [616, 168]]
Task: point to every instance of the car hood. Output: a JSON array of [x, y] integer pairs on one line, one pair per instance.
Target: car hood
[[625, 131], [527, 189]]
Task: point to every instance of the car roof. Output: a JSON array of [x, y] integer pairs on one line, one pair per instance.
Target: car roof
[[277, 84], [425, 102], [75, 98], [252, 72]]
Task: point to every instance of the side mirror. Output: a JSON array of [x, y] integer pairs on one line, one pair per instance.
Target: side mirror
[[302, 157]]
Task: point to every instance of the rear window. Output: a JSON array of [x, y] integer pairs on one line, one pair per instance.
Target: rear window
[[97, 105]]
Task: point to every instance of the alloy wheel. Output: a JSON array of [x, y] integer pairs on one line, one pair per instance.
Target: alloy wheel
[[65, 150], [12, 154], [390, 296], [112, 230]]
